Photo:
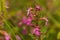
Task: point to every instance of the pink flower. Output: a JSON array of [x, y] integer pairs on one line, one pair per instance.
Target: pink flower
[[20, 23], [45, 19], [31, 16], [6, 4], [24, 31], [27, 21], [7, 36], [24, 20], [18, 37], [28, 11], [38, 8], [36, 31]]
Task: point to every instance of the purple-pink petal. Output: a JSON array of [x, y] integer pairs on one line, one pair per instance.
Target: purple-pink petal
[[38, 7], [28, 11], [7, 37], [24, 20], [18, 37], [24, 31], [36, 31], [45, 19]]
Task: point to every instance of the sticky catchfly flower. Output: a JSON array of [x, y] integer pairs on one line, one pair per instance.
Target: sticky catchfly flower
[[38, 8], [36, 31], [18, 37], [7, 36], [28, 11], [24, 31], [45, 19]]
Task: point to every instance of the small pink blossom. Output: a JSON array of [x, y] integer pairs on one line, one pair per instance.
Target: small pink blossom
[[24, 20], [31, 16], [20, 24], [28, 11], [38, 8], [18, 37], [24, 31], [45, 19], [7, 36], [27, 21], [36, 31], [6, 4]]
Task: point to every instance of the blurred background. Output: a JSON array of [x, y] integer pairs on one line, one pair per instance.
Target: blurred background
[[15, 9]]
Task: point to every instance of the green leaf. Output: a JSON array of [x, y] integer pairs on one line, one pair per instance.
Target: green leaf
[[58, 35]]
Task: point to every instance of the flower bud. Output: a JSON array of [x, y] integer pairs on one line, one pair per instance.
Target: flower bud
[[38, 8], [18, 37], [24, 32]]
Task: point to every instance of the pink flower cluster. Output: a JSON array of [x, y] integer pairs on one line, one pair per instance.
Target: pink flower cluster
[[28, 21]]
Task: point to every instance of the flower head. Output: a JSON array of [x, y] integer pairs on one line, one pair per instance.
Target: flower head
[[28, 11], [38, 8], [18, 37], [20, 23], [36, 31], [7, 36], [6, 4], [24, 20], [24, 31], [45, 19], [27, 21]]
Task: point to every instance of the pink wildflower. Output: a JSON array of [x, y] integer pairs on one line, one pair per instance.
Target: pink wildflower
[[36, 31], [28, 11], [7, 36], [20, 23], [24, 31], [31, 16], [38, 7], [45, 19], [18, 37], [6, 4], [27, 21], [24, 20]]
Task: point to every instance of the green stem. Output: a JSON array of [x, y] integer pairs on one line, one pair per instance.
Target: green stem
[[3, 8]]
